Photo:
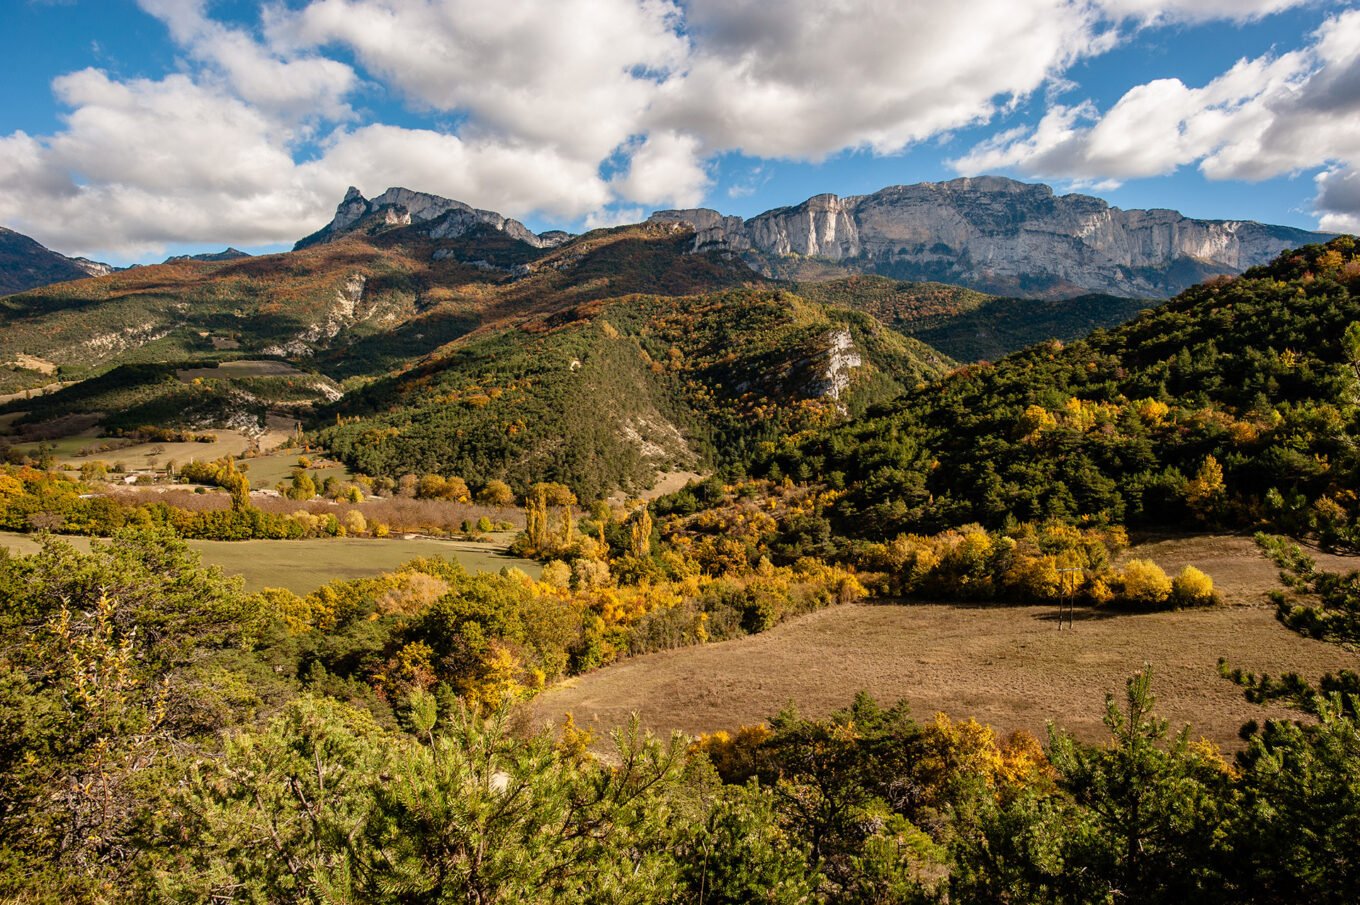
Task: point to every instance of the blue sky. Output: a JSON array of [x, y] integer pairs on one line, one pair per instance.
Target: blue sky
[[131, 130]]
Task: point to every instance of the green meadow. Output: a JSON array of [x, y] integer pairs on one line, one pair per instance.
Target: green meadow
[[304, 565]]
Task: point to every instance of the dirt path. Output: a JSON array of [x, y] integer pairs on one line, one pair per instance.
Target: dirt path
[[1006, 666]]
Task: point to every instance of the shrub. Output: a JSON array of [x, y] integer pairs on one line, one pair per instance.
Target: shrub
[[557, 574], [1145, 582], [1193, 588]]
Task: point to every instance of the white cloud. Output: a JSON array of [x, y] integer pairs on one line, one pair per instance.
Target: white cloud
[[303, 87], [511, 179], [1262, 118], [613, 216], [664, 169], [1160, 11], [575, 74], [1338, 200], [256, 136], [805, 78]]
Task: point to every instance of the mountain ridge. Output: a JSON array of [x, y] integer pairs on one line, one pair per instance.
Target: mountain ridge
[[25, 263], [447, 218], [997, 235]]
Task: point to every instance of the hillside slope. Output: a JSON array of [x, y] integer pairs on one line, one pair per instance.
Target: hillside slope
[[609, 393], [27, 264], [361, 305], [1234, 404], [969, 325]]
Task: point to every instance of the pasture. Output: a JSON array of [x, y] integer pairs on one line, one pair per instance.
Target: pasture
[[1008, 666], [305, 565], [67, 451]]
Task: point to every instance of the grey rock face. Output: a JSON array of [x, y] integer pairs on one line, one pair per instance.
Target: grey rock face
[[1001, 236], [402, 207]]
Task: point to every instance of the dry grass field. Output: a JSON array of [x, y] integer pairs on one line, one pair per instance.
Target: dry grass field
[[1007, 666]]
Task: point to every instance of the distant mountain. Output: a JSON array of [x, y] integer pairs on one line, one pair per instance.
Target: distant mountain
[[26, 264], [436, 217], [226, 254], [601, 362], [993, 234]]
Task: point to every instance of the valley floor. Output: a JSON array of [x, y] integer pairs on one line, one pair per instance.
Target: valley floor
[[1006, 666], [303, 566]]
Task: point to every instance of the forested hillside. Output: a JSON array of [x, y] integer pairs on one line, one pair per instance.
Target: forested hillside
[[363, 305], [969, 325], [1233, 404], [603, 395]]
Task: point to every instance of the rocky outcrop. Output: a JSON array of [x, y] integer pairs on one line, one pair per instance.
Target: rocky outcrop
[[841, 358], [439, 218], [27, 264], [350, 307], [998, 235]]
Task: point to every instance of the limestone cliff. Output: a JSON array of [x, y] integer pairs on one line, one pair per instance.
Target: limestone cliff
[[998, 235]]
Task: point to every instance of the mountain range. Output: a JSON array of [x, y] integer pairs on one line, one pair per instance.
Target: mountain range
[[27, 264], [988, 233], [997, 235], [424, 335]]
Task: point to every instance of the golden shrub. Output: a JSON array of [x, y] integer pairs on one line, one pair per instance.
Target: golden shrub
[[1193, 588], [1145, 582]]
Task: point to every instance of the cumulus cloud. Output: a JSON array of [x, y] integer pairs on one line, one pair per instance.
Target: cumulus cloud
[[505, 177], [576, 74], [1157, 11], [664, 169], [1262, 118], [1338, 200], [804, 78], [305, 86], [588, 110]]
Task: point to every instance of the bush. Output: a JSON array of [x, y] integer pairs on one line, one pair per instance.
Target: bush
[[1193, 588], [557, 574], [1145, 583]]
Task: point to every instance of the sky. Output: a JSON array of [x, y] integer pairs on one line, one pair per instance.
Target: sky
[[133, 129]]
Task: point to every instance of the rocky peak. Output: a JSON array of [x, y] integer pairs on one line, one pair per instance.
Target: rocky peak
[[399, 206], [712, 230]]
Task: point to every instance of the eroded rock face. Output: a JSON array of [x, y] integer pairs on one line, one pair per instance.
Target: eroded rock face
[[447, 218], [1001, 236]]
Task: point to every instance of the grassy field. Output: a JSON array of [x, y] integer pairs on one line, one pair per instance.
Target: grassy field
[[1003, 665], [304, 565], [266, 471], [1009, 667], [141, 455], [246, 368]]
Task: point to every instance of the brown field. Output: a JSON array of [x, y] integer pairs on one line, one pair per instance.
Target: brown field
[[1241, 574], [141, 456], [1008, 666]]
